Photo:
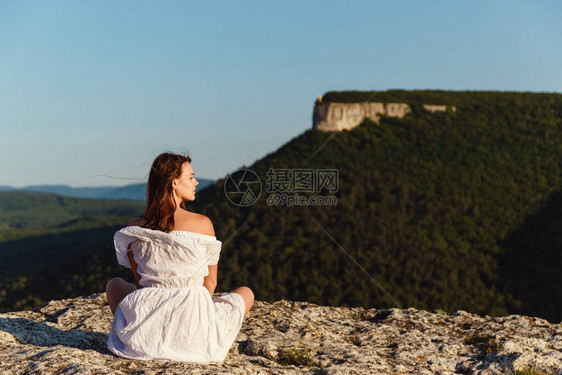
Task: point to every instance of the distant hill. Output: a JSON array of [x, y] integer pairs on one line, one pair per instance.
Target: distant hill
[[132, 192], [26, 213], [54, 245]]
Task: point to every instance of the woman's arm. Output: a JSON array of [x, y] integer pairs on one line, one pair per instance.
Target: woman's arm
[[210, 281], [138, 221], [133, 265]]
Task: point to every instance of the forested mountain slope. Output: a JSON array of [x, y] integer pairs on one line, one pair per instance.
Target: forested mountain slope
[[452, 210]]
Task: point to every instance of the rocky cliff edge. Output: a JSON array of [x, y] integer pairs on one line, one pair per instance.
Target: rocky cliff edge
[[69, 336]]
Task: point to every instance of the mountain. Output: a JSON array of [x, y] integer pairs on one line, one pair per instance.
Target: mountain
[[132, 192], [455, 210], [451, 210]]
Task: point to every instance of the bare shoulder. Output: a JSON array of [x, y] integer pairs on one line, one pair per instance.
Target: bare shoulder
[[205, 225], [137, 221], [194, 222]]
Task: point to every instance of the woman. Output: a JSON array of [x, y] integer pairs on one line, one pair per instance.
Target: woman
[[173, 254]]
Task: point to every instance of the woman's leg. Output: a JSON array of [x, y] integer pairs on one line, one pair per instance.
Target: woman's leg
[[116, 290], [248, 296]]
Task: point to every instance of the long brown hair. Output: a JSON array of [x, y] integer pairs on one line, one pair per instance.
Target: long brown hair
[[160, 204]]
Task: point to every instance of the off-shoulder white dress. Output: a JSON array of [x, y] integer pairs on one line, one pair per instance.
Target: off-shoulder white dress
[[173, 316]]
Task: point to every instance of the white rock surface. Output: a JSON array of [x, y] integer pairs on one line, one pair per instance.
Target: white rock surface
[[332, 116], [69, 336], [340, 116]]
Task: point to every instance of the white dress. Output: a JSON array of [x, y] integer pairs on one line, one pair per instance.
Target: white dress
[[173, 316]]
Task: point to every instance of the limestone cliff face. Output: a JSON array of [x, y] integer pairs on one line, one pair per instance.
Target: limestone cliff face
[[69, 336], [339, 116]]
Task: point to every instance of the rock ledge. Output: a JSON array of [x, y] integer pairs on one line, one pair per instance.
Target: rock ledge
[[69, 336]]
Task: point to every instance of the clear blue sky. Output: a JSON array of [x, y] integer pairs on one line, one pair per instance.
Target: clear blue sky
[[82, 93]]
